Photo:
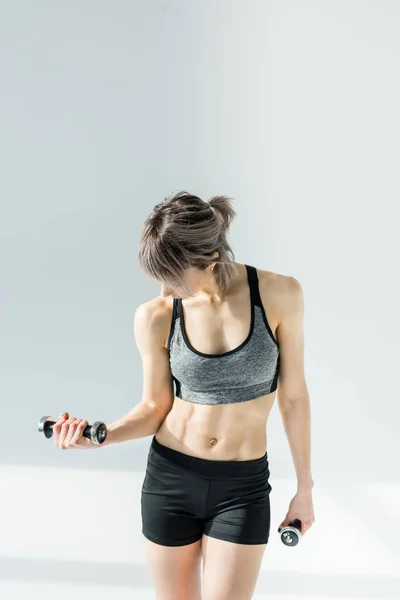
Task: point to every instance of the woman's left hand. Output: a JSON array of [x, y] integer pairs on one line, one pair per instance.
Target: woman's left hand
[[300, 507]]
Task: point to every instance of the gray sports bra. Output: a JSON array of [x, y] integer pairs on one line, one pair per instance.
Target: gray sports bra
[[246, 372]]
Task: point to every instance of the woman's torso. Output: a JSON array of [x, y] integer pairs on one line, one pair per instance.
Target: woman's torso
[[226, 431]]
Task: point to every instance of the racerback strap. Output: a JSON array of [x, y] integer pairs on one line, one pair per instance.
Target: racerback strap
[[253, 283], [177, 308]]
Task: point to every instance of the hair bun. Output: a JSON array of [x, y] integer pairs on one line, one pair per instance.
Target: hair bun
[[223, 208]]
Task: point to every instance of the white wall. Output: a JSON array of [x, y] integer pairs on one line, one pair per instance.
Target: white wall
[[291, 107]]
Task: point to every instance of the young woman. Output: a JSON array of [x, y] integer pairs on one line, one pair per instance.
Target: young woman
[[217, 344]]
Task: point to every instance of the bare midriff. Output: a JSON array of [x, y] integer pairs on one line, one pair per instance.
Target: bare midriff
[[234, 431]]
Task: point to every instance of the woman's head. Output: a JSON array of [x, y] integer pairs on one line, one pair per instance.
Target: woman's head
[[183, 238]]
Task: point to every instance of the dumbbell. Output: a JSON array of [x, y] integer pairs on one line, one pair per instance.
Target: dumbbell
[[291, 534], [96, 432]]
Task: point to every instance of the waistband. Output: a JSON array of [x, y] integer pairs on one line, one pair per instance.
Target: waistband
[[209, 468]]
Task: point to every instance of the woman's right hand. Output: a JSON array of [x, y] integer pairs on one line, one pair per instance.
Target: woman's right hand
[[68, 433]]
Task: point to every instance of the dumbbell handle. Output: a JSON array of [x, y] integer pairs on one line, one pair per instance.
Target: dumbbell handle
[[96, 432]]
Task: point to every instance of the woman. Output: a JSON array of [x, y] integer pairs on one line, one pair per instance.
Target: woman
[[212, 363]]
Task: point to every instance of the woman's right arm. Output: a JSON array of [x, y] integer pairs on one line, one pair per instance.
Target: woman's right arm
[[158, 392], [150, 325]]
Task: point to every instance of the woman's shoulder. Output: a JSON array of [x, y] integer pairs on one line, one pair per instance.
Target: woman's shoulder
[[278, 281], [279, 290], [156, 314]]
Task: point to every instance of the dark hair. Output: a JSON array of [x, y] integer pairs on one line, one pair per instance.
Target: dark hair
[[184, 231]]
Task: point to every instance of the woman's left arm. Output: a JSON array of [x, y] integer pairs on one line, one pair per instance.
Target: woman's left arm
[[293, 398]]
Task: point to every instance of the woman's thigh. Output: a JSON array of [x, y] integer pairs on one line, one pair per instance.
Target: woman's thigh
[[172, 503], [230, 570], [236, 533], [175, 570], [238, 510], [172, 523]]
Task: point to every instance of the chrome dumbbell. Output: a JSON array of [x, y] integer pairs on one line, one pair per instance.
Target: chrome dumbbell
[[291, 534], [96, 432]]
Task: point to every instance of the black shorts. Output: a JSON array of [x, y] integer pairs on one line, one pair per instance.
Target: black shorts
[[184, 496]]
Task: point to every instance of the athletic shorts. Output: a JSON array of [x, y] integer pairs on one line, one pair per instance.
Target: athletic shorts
[[184, 496]]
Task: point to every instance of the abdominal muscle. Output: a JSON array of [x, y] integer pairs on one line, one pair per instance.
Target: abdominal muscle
[[234, 431]]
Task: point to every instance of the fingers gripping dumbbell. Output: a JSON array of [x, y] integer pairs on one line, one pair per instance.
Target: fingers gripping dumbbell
[[96, 432]]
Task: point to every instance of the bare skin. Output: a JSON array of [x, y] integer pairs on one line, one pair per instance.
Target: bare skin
[[224, 431]]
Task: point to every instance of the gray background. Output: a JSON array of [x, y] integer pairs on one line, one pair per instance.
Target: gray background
[[289, 107]]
